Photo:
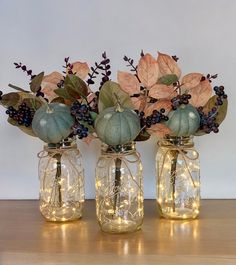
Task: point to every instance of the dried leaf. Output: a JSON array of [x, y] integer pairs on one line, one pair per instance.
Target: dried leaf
[[159, 129], [148, 70], [36, 82], [81, 69], [191, 80], [89, 139], [167, 65], [168, 79], [49, 84], [128, 82], [139, 103], [200, 94], [143, 136], [108, 93], [163, 103], [160, 91], [27, 130]]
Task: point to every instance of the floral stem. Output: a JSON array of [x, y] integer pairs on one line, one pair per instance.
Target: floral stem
[[118, 162], [174, 154]]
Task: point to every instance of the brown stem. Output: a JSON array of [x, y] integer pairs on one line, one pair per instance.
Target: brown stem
[[174, 154], [118, 162]]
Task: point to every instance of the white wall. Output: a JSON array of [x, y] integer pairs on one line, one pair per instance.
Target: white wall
[[41, 33]]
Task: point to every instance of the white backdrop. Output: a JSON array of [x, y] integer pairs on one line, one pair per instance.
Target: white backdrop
[[41, 33]]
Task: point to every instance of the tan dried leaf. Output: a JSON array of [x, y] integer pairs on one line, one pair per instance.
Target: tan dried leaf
[[89, 139], [160, 91], [191, 80], [139, 103], [81, 69], [148, 70], [159, 129], [128, 82], [167, 65], [163, 103], [49, 84], [200, 94]]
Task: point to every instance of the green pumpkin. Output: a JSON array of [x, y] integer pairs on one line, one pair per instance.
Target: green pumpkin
[[117, 126], [184, 121], [52, 123]]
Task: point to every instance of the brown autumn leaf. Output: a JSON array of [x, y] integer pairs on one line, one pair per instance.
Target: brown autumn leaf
[[159, 129], [139, 103], [200, 94], [81, 69], [148, 70], [49, 84], [89, 139], [191, 80], [167, 65], [163, 103], [128, 82], [160, 91]]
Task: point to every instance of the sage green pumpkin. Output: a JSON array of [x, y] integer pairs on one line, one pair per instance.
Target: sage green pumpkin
[[184, 121], [52, 123], [117, 126]]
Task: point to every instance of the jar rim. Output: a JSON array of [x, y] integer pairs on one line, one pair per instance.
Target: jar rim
[[69, 142], [118, 148], [177, 141]]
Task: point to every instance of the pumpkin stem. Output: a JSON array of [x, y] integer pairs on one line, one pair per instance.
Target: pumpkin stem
[[118, 104], [49, 110]]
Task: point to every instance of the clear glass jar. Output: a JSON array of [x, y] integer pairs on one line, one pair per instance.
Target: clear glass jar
[[119, 189], [178, 178], [61, 182]]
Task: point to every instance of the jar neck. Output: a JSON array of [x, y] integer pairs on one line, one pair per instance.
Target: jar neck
[[67, 143], [122, 149], [183, 141]]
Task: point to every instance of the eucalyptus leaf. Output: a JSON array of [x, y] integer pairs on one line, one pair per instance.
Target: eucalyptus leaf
[[222, 109], [18, 88], [90, 127], [168, 79], [10, 99], [61, 92], [93, 115], [108, 96], [75, 86], [36, 82], [32, 102]]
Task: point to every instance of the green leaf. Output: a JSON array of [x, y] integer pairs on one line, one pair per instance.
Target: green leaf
[[93, 115], [10, 99], [143, 136], [32, 102], [18, 88], [75, 87], [90, 127], [58, 100], [222, 109], [168, 79], [27, 130], [36, 82], [107, 96], [61, 92]]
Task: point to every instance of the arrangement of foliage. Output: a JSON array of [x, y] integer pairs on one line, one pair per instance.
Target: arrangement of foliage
[[60, 105], [169, 104]]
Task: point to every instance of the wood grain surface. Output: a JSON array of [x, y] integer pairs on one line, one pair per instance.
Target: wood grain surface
[[27, 239]]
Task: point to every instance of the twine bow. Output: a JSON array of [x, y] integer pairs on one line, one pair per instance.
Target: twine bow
[[186, 157]]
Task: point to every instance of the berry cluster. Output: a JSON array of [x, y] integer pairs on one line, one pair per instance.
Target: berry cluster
[[207, 121], [23, 115], [80, 130], [24, 69], [103, 66], [1, 93], [219, 91], [156, 117], [179, 100], [81, 112]]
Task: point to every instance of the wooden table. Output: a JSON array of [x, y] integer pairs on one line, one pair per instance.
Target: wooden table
[[26, 239]]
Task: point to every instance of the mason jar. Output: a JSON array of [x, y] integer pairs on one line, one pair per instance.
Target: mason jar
[[119, 189], [178, 178], [61, 178]]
